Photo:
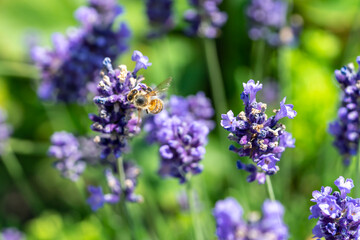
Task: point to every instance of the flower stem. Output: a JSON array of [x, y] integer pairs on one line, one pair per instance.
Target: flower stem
[[194, 216], [23, 146], [124, 208], [259, 59], [357, 173], [270, 188], [216, 81], [16, 172]]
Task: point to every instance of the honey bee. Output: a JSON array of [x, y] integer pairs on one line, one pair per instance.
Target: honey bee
[[147, 98]]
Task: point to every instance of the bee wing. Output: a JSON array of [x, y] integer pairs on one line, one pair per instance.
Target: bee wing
[[163, 86]]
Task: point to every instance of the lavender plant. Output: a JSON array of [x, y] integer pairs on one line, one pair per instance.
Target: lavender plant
[[230, 224], [261, 138], [160, 16], [205, 18], [268, 21], [117, 122], [70, 71], [5, 130], [346, 128], [338, 213], [181, 132]]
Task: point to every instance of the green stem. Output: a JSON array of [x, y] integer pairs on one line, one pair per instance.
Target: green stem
[[18, 69], [17, 174], [357, 174], [23, 146], [216, 81], [194, 217], [124, 208], [270, 188], [259, 60]]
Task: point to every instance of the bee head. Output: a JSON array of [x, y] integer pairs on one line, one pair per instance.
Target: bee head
[[131, 95]]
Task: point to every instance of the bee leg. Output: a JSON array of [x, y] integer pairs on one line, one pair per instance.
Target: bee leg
[[147, 111], [139, 117]]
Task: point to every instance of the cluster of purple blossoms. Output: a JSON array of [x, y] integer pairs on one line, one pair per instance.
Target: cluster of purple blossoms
[[71, 153], [338, 214], [12, 234], [182, 131], [98, 198], [5, 130], [205, 18], [160, 16], [117, 120], [230, 224], [268, 21], [69, 69], [346, 128], [261, 138]]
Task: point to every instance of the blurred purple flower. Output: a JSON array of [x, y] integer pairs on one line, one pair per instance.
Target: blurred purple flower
[[268, 21], [261, 138], [71, 68], [160, 16], [12, 234], [65, 147], [5, 130], [205, 18], [230, 224], [97, 198], [338, 213], [346, 128], [181, 130]]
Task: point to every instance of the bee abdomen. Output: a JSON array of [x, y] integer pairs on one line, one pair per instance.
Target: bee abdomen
[[156, 105]]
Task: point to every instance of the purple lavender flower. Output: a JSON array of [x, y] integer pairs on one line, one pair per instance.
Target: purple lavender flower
[[65, 147], [160, 16], [346, 128], [12, 234], [230, 224], [97, 198], [338, 213], [205, 18], [5, 130], [181, 131], [261, 138], [268, 21], [117, 121], [71, 68]]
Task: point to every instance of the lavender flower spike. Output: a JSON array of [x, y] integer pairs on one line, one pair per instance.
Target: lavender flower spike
[[69, 71], [205, 19], [181, 130], [160, 16], [66, 148], [117, 119], [338, 213], [347, 127], [230, 224], [260, 138], [267, 20]]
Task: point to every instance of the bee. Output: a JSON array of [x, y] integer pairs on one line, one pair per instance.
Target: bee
[[147, 98]]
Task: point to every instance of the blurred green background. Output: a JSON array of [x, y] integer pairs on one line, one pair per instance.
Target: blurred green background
[[304, 74]]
